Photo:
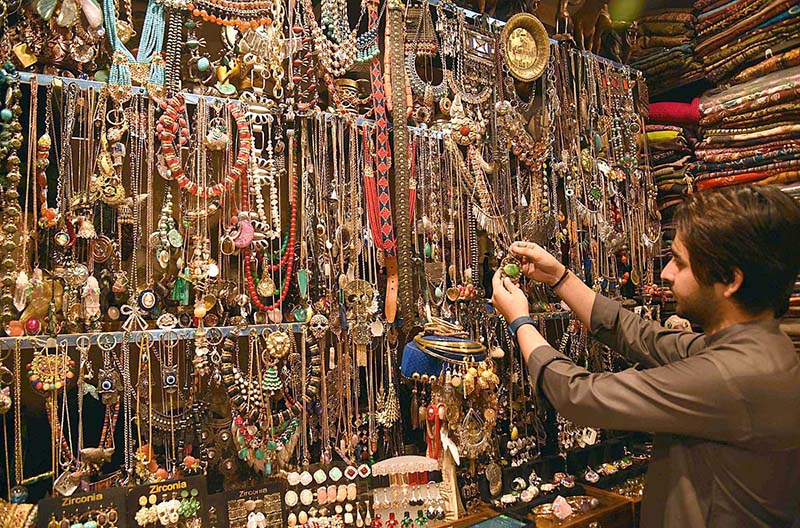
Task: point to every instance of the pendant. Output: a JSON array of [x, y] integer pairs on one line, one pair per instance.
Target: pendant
[[266, 286], [147, 299], [302, 282]]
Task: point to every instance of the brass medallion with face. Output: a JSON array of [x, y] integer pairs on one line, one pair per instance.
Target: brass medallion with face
[[526, 47]]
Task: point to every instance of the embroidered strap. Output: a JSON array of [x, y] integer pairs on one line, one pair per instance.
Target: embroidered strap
[[383, 162], [383, 152]]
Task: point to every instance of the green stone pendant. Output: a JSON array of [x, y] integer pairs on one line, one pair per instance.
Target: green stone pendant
[[302, 283]]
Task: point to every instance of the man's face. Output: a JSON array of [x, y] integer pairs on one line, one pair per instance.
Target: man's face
[[695, 302]]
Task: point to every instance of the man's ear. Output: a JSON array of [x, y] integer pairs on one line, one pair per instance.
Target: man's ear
[[734, 285]]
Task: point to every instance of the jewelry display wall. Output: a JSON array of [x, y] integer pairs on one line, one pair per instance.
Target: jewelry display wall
[[258, 265]]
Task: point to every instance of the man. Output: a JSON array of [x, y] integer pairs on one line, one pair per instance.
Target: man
[[724, 404]]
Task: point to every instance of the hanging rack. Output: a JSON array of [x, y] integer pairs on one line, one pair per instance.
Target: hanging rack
[[41, 341]]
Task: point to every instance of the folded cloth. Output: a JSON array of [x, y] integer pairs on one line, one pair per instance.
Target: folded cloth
[[787, 111], [662, 135], [783, 178], [762, 136], [678, 144], [793, 117], [728, 34], [667, 71], [771, 168], [667, 28], [749, 162], [678, 14], [654, 57], [779, 62], [669, 171], [728, 16], [720, 5], [660, 41], [729, 154], [655, 127], [767, 126], [675, 112], [745, 41], [670, 157], [724, 181], [749, 41], [775, 88]]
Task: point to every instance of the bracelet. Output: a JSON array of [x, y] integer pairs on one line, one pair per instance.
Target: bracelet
[[562, 279], [519, 322]]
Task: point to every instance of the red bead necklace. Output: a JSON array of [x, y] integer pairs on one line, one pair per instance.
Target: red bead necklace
[[172, 124], [288, 258]]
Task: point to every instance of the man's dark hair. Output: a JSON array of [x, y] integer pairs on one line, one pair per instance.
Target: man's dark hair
[[752, 228]]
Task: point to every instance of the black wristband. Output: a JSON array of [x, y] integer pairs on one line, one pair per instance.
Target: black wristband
[[562, 279], [515, 325]]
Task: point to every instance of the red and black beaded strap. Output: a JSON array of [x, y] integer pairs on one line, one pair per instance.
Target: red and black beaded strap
[[383, 151]]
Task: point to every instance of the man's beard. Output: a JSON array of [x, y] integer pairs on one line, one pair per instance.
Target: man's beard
[[700, 308]]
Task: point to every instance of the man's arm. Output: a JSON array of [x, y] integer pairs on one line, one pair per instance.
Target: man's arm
[[639, 339], [689, 397], [644, 341], [632, 336]]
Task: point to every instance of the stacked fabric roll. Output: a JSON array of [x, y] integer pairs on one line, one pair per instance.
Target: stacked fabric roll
[[665, 48], [733, 33], [750, 132], [670, 139]]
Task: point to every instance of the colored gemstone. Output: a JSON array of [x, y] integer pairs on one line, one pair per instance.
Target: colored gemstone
[[260, 454], [428, 250], [511, 270], [203, 64], [302, 282], [6, 114], [243, 453], [271, 445]]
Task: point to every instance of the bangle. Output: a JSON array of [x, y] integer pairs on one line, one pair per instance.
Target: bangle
[[519, 322], [562, 279]]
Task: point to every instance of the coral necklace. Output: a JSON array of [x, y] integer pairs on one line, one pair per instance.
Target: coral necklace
[[172, 124], [288, 259]]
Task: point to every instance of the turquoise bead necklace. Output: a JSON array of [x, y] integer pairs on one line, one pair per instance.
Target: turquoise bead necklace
[[147, 68]]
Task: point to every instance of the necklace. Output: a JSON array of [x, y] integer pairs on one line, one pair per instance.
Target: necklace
[[173, 120], [287, 261], [147, 68], [243, 15], [18, 493], [338, 53], [10, 213], [419, 87]]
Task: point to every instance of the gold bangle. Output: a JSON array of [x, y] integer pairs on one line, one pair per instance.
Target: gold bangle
[[455, 346], [447, 359]]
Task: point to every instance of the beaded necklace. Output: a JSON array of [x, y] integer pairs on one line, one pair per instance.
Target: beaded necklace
[[168, 126], [287, 261], [147, 68]]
